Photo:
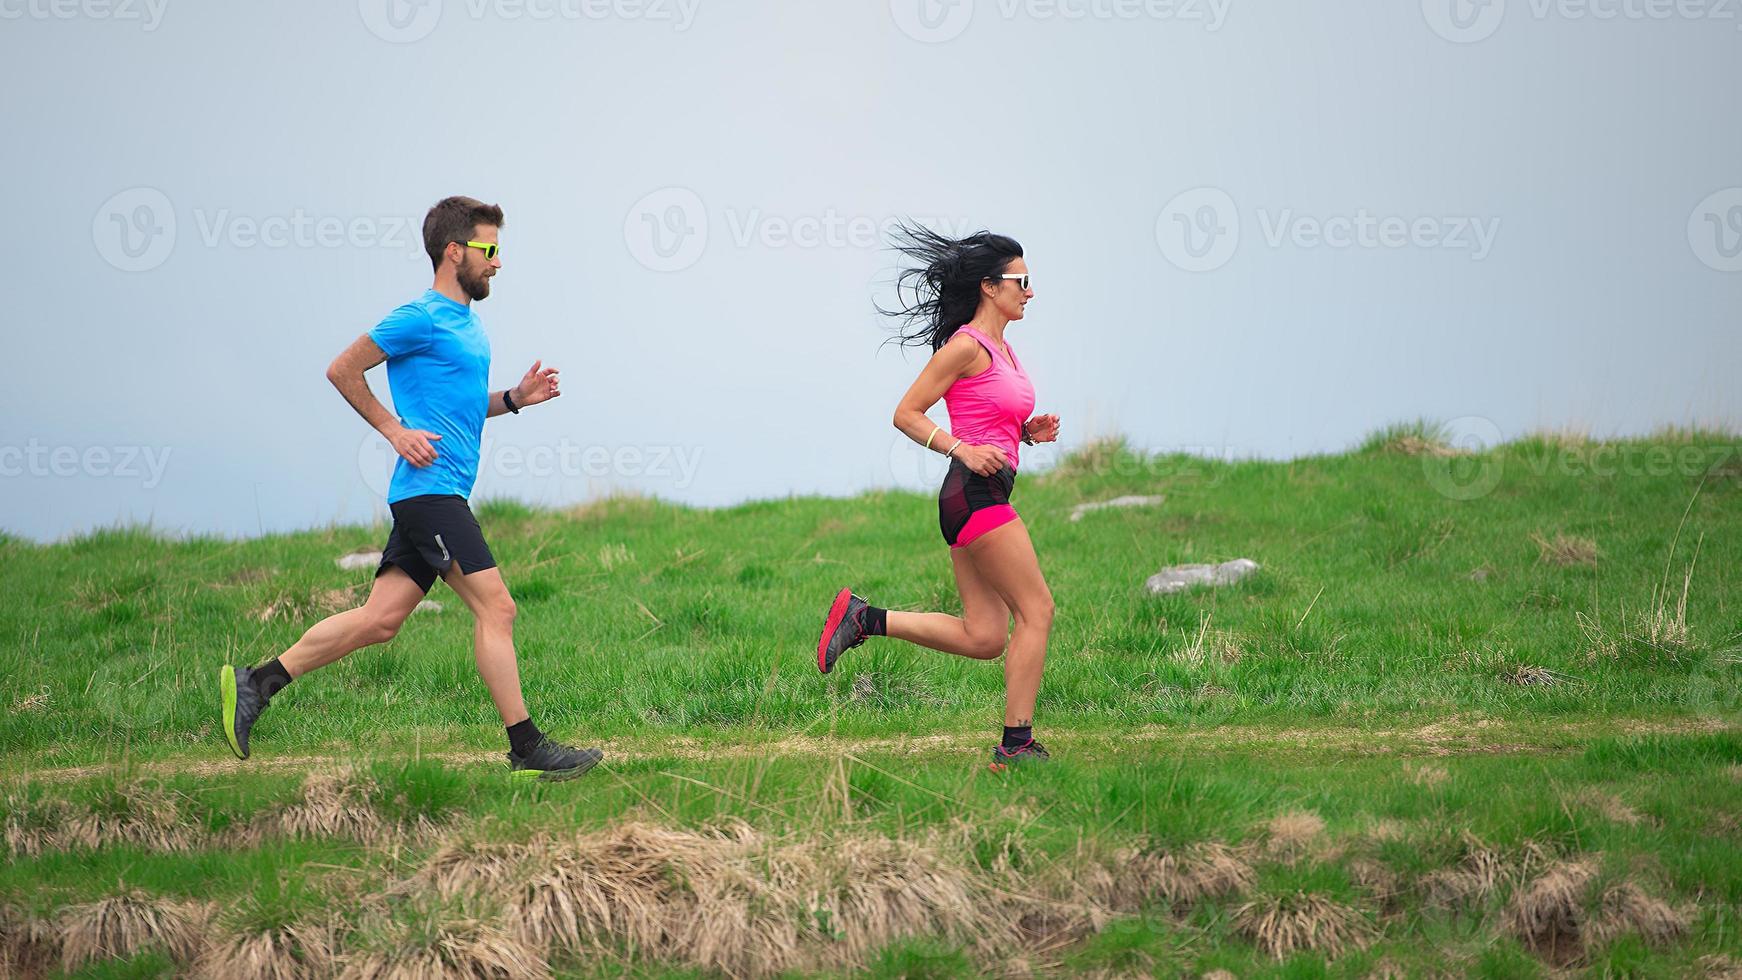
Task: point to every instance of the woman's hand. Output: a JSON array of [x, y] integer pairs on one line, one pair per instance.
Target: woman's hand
[[984, 460], [1042, 428]]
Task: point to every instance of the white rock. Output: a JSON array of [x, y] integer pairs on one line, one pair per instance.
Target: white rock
[[359, 559], [1180, 577], [1079, 510], [427, 605]]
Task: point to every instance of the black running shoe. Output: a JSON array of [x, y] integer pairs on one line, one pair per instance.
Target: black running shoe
[[242, 703], [1026, 754], [552, 761], [843, 630]]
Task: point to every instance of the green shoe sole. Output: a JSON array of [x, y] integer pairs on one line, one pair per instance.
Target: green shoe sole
[[549, 775], [227, 685]]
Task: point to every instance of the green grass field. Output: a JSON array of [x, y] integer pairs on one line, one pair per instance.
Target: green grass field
[[1475, 716]]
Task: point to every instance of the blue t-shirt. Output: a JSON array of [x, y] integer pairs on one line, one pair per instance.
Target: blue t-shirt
[[438, 367]]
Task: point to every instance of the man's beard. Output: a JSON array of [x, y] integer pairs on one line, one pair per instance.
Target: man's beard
[[477, 287]]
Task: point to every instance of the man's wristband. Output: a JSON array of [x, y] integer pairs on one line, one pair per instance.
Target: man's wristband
[[508, 402]]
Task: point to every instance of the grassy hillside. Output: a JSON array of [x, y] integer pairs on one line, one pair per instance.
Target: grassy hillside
[[1476, 715]]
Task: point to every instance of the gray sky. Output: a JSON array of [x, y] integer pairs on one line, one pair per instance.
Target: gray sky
[[1257, 228]]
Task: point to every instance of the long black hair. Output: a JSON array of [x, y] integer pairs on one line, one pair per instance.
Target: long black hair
[[939, 290]]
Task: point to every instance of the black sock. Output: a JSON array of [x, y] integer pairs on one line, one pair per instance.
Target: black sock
[[523, 736], [270, 678], [875, 621], [1015, 738]]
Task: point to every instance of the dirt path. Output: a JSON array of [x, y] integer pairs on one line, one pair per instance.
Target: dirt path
[[1449, 737]]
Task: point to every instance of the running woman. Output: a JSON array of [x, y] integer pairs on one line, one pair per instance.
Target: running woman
[[959, 298], [438, 365]]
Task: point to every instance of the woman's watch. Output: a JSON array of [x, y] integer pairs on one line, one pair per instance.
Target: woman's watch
[[1026, 438]]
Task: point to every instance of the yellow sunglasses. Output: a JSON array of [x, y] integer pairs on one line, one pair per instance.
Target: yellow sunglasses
[[490, 249]]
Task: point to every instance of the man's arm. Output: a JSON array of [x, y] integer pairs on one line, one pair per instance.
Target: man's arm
[[539, 385], [346, 373]]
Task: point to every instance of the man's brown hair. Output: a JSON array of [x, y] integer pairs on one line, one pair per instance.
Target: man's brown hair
[[455, 219]]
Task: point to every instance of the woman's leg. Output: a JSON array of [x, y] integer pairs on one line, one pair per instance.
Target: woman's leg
[[1004, 559], [979, 632]]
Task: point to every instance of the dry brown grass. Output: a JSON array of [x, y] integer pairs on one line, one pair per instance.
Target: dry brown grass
[[1626, 908], [1529, 675], [302, 951], [1414, 445], [731, 900], [1132, 877], [300, 606], [125, 924], [1377, 878], [1565, 550], [1425, 774], [1281, 925], [439, 943], [466, 866], [140, 814], [1210, 646], [1290, 836], [28, 945], [1717, 966], [333, 803], [1479, 873], [1548, 913]]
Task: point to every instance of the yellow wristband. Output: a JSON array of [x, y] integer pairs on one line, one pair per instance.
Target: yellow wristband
[[934, 434]]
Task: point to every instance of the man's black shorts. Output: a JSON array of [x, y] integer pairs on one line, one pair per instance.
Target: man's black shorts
[[432, 532]]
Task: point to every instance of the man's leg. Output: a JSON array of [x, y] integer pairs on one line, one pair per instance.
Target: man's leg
[[391, 599], [531, 755], [244, 692], [493, 611]]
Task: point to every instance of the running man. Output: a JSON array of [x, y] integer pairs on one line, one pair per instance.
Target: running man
[[438, 365], [963, 296]]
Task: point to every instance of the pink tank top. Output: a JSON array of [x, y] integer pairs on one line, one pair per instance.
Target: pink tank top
[[988, 409]]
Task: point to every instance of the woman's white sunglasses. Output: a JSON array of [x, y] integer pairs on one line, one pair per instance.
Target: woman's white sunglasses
[[1022, 277]]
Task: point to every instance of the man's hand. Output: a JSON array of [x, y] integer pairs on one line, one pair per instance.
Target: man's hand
[[539, 385], [413, 445], [1043, 428]]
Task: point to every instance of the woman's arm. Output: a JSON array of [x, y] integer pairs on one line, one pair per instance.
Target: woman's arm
[[954, 361]]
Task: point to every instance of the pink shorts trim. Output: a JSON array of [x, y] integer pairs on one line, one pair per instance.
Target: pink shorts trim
[[981, 521]]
